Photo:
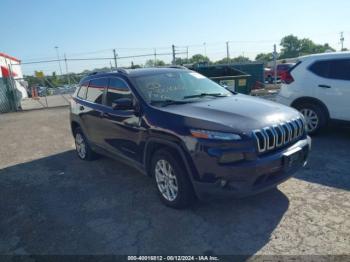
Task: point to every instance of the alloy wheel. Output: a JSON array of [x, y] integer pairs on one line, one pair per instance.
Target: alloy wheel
[[311, 119], [166, 180]]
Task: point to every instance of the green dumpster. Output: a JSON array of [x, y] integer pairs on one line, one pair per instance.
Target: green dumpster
[[228, 76]]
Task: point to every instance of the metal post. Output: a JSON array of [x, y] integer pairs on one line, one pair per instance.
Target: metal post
[[115, 59], [58, 58], [187, 54], [65, 61], [275, 64], [155, 58], [174, 61], [342, 41], [228, 52]]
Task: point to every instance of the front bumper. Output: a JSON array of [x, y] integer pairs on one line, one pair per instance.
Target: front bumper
[[253, 176]]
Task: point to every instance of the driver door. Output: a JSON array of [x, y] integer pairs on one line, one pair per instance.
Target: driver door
[[122, 129]]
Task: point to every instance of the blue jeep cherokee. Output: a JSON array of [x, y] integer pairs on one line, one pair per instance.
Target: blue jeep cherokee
[[194, 137]]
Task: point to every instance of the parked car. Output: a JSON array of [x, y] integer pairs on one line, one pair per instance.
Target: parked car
[[319, 87], [269, 73], [194, 137]]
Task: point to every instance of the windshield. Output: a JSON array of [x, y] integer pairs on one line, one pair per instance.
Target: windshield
[[184, 86]]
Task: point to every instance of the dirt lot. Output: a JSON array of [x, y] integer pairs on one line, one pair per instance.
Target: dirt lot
[[53, 203]]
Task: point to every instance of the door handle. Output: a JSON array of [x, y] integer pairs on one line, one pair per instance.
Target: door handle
[[107, 115], [324, 86], [81, 108]]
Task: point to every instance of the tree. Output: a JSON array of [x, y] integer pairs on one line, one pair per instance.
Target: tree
[[198, 58], [294, 47], [182, 61], [291, 46], [151, 63], [240, 59], [264, 57]]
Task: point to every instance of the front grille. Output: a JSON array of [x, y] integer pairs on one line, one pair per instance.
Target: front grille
[[276, 136]]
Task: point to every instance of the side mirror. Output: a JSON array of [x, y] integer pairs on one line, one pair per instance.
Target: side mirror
[[122, 104]]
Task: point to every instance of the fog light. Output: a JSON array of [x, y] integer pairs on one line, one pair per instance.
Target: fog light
[[231, 157]]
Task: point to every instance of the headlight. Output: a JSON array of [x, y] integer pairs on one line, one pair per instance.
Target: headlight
[[199, 133]]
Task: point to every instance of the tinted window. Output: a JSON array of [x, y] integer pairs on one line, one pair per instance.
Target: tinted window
[[320, 68], [96, 89], [340, 69], [83, 89], [117, 89]]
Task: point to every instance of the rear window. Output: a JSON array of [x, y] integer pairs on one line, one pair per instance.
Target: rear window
[[96, 90], [340, 69], [333, 69]]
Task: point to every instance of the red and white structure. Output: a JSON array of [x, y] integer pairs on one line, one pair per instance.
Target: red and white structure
[[11, 67]]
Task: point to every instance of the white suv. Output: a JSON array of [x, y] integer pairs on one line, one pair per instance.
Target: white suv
[[319, 87]]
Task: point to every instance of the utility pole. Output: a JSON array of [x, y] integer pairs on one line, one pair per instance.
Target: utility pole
[[274, 64], [174, 62], [58, 58], [228, 52], [205, 48], [65, 61], [342, 41], [155, 58], [115, 59]]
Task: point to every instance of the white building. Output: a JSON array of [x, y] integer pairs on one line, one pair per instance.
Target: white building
[[11, 64]]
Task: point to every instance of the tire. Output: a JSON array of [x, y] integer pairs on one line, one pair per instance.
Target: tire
[[171, 180], [82, 146], [315, 117]]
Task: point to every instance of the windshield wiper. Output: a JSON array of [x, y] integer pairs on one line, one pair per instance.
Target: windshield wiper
[[167, 102], [205, 94]]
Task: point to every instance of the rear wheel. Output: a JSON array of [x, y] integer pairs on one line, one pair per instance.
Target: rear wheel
[[83, 149], [172, 182], [315, 117]]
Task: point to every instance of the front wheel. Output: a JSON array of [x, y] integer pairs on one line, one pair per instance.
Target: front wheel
[[172, 182], [315, 117]]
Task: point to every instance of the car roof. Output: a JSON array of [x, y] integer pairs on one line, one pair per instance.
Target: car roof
[[135, 72], [326, 55]]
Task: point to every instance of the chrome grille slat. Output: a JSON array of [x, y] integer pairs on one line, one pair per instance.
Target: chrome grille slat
[[271, 137]]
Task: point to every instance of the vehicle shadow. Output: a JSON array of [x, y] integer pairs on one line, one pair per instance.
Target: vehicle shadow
[[329, 160], [62, 205]]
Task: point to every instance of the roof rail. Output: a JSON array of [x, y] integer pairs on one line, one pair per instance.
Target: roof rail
[[93, 73], [177, 67], [122, 70]]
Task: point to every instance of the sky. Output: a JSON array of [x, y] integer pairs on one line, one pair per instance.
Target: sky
[[31, 29]]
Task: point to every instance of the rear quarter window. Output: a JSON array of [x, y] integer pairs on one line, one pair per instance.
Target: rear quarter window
[[83, 90], [320, 68]]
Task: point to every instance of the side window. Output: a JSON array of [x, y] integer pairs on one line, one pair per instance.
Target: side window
[[117, 89], [83, 89], [340, 69], [320, 68], [96, 89]]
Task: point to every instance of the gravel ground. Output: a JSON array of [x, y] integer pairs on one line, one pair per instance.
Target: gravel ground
[[53, 203]]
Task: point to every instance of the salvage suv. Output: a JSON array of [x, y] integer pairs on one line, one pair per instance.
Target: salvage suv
[[193, 136]]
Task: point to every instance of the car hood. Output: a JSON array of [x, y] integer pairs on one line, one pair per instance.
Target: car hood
[[240, 113]]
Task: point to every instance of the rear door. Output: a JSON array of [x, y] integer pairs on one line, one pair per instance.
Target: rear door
[[333, 86], [94, 110], [122, 128]]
